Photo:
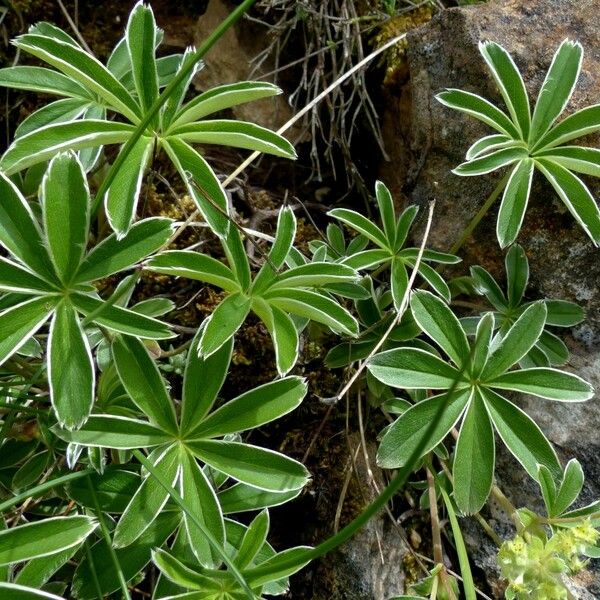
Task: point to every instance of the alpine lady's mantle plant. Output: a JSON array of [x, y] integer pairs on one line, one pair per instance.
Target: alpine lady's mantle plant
[[128, 86], [49, 275], [529, 141], [159, 468]]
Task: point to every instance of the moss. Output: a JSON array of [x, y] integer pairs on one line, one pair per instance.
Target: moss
[[396, 70]]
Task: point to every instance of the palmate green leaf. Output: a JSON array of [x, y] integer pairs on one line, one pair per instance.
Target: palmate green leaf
[[514, 202], [20, 234], [44, 143], [82, 67], [59, 111], [132, 559], [361, 224], [575, 158], [140, 34], [517, 342], [398, 282], [193, 265], [142, 381], [278, 566], [510, 83], [43, 538], [487, 285], [254, 539], [121, 199], [202, 184], [15, 591], [179, 573], [557, 88], [437, 320], [403, 226], [405, 433], [45, 81], [122, 320], [482, 345], [314, 274], [580, 123], [387, 212], [237, 256], [489, 143], [113, 254], [202, 380], [113, 489], [120, 433], [71, 371], [433, 279], [261, 468], [149, 499], [54, 32], [554, 348], [367, 259], [283, 332], [517, 275], [431, 255], [237, 134], [412, 368], [222, 324], [38, 571], [201, 500], [492, 161], [575, 195], [284, 236], [243, 498], [176, 98], [545, 383], [254, 408], [474, 458], [562, 313], [222, 97], [18, 323], [89, 157], [16, 278], [547, 487], [65, 201], [570, 487], [481, 109], [314, 306], [521, 435]]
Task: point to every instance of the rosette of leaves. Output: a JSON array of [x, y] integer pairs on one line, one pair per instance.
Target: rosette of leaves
[[549, 350], [50, 270], [272, 295], [390, 239], [475, 376], [533, 141], [198, 431], [82, 80]]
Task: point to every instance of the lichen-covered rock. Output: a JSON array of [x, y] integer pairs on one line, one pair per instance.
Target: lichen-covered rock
[[564, 263]]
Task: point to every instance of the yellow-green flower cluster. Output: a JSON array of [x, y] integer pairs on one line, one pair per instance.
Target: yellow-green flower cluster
[[535, 567]]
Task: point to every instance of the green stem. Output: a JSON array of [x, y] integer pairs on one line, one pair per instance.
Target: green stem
[[90, 558], [233, 17], [42, 488], [176, 496], [468, 230], [106, 535]]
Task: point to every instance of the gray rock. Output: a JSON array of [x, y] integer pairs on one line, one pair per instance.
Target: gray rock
[[564, 263]]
